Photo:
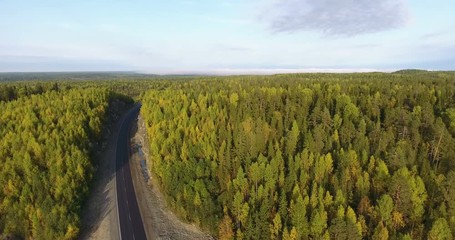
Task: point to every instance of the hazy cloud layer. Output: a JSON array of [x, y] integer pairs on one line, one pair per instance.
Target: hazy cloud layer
[[337, 17]]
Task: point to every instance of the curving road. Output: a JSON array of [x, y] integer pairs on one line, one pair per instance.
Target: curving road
[[130, 220]]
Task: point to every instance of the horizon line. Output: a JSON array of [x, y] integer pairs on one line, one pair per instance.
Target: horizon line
[[228, 71]]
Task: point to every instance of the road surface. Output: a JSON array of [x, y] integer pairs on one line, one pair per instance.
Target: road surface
[[130, 220]]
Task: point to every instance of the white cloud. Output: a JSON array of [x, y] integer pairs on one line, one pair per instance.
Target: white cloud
[[337, 17]]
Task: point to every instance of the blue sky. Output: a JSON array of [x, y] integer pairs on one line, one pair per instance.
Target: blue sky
[[226, 36]]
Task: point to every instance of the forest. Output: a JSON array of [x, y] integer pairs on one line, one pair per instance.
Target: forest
[[47, 135], [308, 156], [294, 156]]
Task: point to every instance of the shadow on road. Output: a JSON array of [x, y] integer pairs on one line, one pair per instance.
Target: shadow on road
[[99, 213]]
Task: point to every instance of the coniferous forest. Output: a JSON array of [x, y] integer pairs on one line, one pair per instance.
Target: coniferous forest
[[310, 156], [295, 156], [46, 139]]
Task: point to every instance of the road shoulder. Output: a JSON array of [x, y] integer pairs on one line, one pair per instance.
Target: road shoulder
[[99, 216], [159, 221]]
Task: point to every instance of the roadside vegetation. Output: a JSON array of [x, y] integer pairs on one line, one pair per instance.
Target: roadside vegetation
[[321, 156]]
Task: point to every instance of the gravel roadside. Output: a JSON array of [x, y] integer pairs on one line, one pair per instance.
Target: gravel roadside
[[159, 221], [99, 214]]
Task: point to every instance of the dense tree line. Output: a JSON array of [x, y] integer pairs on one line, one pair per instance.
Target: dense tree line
[[10, 91], [15, 85], [131, 87], [45, 143], [321, 156], [71, 76]]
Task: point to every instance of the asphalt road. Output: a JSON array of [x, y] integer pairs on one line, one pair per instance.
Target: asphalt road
[[131, 226]]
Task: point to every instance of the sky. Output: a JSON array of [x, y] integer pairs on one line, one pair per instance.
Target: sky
[[226, 36]]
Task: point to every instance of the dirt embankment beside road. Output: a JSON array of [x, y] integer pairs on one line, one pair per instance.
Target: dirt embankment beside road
[[159, 221], [99, 215]]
